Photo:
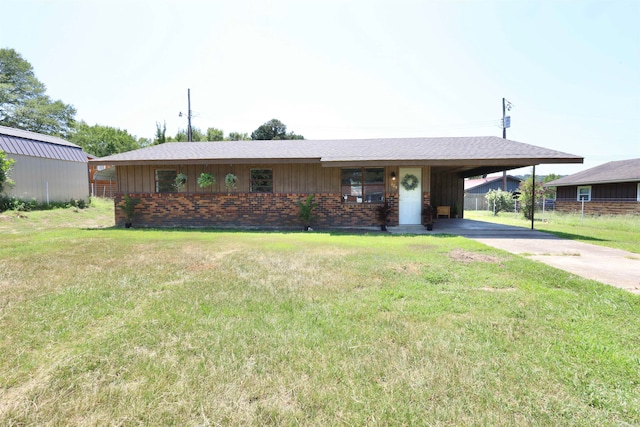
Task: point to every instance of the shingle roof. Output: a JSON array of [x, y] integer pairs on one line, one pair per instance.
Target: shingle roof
[[434, 150], [22, 142], [618, 171]]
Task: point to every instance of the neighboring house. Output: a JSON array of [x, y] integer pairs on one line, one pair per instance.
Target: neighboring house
[[349, 178], [46, 169], [484, 185], [476, 189], [611, 188], [102, 180]]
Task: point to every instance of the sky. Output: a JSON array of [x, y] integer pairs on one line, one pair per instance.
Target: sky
[[332, 69]]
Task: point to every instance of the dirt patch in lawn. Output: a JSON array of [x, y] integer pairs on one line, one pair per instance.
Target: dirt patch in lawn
[[466, 257]]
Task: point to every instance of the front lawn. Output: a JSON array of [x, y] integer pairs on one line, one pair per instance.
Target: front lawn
[[104, 326]]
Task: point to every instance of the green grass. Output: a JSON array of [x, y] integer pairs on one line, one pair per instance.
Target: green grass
[[105, 326], [614, 231]]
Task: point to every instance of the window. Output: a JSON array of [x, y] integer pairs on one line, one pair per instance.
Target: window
[[165, 180], [362, 185], [584, 193], [638, 198], [261, 180]]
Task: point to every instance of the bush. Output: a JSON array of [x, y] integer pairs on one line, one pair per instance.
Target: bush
[[10, 203], [500, 201]]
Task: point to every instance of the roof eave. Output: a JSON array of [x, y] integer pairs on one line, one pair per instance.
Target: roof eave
[[106, 161], [611, 181], [509, 163]]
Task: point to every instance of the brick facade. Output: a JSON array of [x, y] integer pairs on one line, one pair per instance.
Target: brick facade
[[599, 207], [271, 210]]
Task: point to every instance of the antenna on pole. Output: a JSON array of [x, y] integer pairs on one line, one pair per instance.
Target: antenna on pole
[[189, 133]]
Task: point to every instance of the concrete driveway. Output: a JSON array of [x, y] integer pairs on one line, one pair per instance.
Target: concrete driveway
[[606, 265]]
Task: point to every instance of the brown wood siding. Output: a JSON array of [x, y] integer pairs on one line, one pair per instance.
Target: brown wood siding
[[287, 178], [624, 191], [567, 193], [447, 189], [621, 191]]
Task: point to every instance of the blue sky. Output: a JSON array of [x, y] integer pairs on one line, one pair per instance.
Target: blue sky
[[347, 69]]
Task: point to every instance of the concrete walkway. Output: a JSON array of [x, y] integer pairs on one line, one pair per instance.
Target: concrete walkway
[[614, 267]]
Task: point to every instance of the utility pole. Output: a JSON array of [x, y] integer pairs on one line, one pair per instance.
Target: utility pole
[[189, 133], [506, 122]]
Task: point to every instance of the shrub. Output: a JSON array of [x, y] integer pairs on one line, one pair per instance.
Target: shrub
[[306, 210], [500, 201], [10, 203], [528, 196]]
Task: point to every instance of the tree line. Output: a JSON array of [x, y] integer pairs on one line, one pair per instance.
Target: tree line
[[25, 105]]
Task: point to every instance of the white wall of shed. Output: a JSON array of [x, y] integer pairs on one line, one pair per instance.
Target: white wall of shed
[[34, 176]]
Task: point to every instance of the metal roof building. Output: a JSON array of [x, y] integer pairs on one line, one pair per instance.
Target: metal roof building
[[46, 168]]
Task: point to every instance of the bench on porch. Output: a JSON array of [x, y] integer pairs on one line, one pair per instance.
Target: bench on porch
[[444, 211]]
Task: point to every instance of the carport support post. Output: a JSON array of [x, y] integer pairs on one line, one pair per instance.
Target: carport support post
[[533, 195]]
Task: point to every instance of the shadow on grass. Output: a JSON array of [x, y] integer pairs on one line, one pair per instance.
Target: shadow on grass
[[571, 236]]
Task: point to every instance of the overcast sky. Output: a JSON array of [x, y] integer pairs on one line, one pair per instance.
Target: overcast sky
[[347, 69]]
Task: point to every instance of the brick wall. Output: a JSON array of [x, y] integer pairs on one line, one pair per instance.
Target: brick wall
[[247, 210], [599, 208]]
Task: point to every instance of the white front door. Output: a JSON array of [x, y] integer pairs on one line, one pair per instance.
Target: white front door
[[410, 206]]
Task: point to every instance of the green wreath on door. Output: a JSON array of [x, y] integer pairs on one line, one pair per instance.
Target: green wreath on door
[[410, 182]]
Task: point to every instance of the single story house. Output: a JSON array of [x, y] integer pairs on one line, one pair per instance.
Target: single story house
[[611, 188], [486, 184], [475, 189], [47, 168], [349, 179]]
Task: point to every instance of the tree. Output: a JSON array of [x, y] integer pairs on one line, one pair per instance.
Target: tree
[[23, 102], [529, 193], [181, 136], [550, 192], [500, 201], [5, 167], [161, 133], [196, 135], [102, 140], [237, 136], [273, 129], [214, 134]]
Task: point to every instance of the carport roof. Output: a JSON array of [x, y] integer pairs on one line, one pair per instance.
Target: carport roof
[[464, 155]]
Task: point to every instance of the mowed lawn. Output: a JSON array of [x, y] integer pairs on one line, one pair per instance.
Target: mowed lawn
[[105, 326]]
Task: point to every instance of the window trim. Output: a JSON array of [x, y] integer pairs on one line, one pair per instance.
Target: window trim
[[252, 181], [363, 185], [638, 198], [580, 187], [157, 181]]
